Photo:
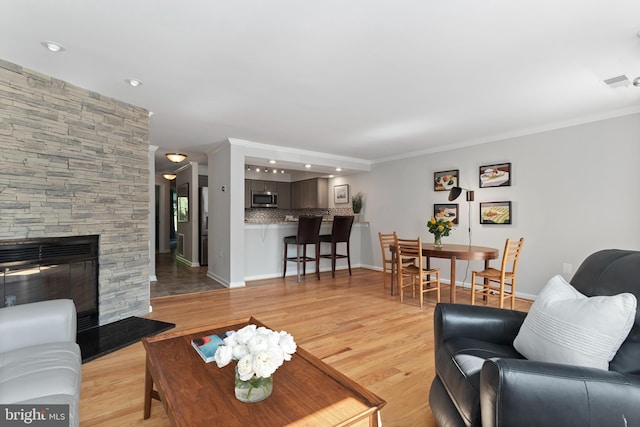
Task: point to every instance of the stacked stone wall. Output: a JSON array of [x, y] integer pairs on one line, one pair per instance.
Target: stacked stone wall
[[74, 162]]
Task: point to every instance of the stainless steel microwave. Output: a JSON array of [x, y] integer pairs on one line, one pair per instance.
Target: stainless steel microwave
[[264, 199]]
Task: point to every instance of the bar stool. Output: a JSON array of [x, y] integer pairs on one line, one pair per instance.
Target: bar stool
[[340, 233], [308, 234]]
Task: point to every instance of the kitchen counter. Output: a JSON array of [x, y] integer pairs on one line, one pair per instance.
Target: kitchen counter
[[264, 248], [247, 223]]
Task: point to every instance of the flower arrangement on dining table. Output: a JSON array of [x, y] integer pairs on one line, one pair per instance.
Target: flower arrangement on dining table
[[258, 350], [439, 227]]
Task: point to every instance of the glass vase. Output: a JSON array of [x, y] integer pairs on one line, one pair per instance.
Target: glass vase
[[437, 241], [253, 390]]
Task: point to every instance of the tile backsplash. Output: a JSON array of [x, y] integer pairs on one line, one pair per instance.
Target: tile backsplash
[[266, 216]]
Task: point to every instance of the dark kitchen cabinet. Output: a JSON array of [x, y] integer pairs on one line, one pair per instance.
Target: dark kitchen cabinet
[[310, 193], [284, 195], [260, 185], [247, 193]]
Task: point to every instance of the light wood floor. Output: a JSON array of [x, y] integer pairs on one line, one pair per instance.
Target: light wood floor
[[351, 323]]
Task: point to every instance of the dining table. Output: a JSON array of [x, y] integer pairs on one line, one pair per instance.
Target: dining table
[[453, 253]]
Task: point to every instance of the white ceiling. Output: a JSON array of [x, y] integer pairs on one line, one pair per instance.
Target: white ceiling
[[366, 79]]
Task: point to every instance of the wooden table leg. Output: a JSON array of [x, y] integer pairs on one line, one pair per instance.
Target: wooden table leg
[[485, 295], [452, 280], [393, 270], [148, 388], [149, 392], [375, 421]]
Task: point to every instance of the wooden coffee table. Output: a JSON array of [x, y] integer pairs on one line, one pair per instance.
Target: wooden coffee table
[[306, 391]]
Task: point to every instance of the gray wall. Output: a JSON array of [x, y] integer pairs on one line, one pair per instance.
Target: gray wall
[[74, 162], [574, 191], [226, 213]]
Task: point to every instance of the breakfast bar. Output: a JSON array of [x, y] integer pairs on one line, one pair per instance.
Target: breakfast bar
[[264, 247]]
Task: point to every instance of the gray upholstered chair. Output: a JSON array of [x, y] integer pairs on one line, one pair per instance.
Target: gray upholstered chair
[[40, 362]]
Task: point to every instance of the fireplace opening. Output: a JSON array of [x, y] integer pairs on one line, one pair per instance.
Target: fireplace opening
[[42, 269]]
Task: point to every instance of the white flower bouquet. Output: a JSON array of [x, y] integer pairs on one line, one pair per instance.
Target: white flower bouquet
[[258, 350]]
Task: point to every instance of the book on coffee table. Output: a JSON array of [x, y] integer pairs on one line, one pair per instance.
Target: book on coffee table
[[206, 346]]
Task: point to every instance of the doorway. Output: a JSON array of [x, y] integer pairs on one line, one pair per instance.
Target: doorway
[[173, 277]]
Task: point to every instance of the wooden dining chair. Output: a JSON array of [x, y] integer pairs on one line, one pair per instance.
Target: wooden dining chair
[[308, 234], [413, 274], [340, 233], [386, 241], [495, 281]]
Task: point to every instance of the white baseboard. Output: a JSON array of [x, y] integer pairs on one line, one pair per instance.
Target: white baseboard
[[187, 262]]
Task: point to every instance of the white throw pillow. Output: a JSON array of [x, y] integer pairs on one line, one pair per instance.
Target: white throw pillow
[[565, 326]]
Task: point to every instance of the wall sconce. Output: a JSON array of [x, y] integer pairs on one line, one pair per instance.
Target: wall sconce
[[456, 191], [176, 157], [169, 176]]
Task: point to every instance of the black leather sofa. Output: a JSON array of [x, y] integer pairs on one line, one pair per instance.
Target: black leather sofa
[[481, 380]]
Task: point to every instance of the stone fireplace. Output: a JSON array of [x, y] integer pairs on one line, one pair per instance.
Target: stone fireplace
[[76, 163], [42, 269]]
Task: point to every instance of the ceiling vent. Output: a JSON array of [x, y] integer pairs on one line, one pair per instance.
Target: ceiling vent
[[618, 81]]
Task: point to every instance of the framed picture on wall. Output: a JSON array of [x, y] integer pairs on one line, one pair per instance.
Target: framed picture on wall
[[446, 180], [498, 175], [183, 203], [341, 193], [446, 211], [495, 213]]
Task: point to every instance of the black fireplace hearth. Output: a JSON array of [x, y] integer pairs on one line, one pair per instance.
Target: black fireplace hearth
[[42, 269]]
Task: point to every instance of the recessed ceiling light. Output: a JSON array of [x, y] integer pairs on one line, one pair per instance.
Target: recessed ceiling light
[[53, 46], [272, 161], [133, 82], [330, 176], [275, 171], [338, 169], [281, 171], [307, 166]]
